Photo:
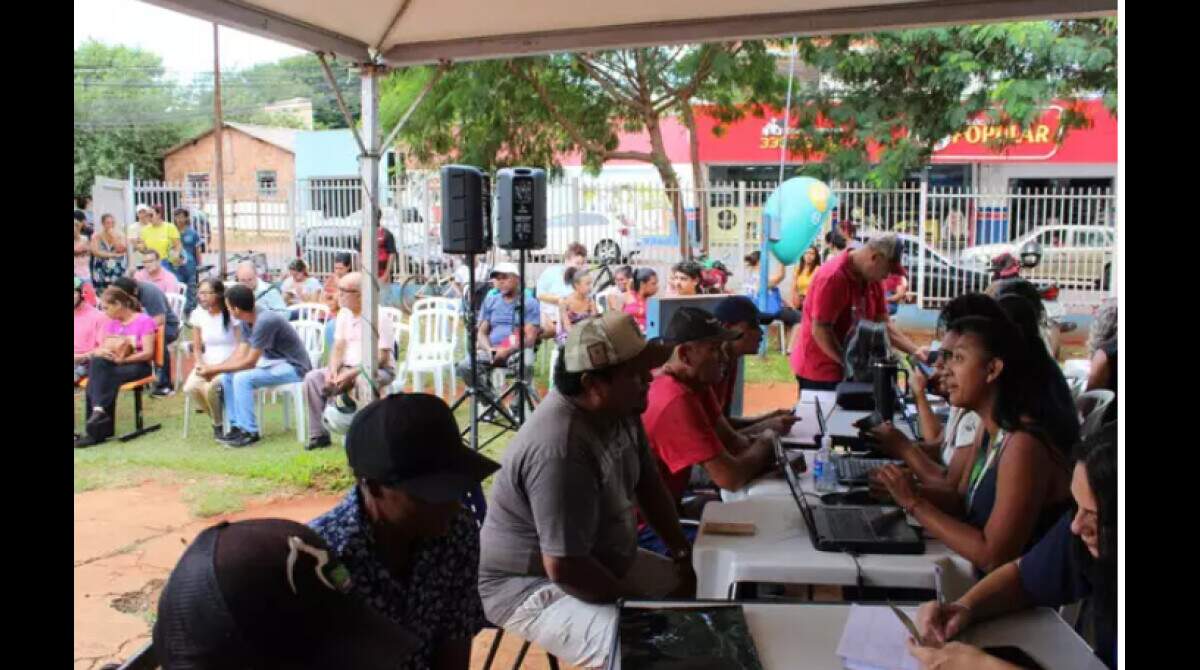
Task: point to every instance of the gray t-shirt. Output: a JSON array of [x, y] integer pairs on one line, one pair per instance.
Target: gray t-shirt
[[277, 339], [566, 487], [154, 302]]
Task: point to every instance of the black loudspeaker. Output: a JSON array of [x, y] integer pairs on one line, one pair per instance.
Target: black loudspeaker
[[521, 208], [466, 209]]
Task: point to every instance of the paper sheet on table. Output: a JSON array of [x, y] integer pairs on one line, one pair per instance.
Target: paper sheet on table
[[875, 639]]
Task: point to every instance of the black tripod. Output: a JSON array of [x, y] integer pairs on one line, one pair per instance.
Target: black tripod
[[496, 414], [521, 389]]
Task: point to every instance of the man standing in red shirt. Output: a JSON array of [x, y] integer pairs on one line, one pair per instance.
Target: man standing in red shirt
[[683, 419], [845, 289]]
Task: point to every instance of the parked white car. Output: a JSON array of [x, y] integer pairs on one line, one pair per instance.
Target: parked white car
[[1072, 256], [607, 237]]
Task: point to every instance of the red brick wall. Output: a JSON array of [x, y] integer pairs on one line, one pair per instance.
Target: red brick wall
[[242, 157]]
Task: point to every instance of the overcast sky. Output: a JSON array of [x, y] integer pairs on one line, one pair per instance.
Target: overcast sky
[[184, 43]]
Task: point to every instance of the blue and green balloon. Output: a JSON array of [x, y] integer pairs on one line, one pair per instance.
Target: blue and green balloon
[[797, 211]]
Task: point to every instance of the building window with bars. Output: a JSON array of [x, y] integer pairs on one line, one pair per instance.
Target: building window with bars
[[268, 185], [197, 185]]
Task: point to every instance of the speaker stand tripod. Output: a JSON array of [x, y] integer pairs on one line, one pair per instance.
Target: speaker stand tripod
[[521, 390], [495, 414]]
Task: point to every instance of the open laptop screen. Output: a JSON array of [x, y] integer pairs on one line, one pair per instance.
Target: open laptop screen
[[793, 482]]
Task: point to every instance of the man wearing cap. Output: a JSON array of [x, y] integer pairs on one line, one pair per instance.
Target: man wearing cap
[[269, 593], [739, 314], [498, 315], [497, 330], [684, 422], [410, 546], [845, 290], [560, 537]]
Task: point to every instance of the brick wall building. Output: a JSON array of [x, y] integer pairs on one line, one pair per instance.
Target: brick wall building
[[257, 160]]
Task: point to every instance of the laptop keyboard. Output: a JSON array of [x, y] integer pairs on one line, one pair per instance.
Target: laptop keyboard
[[848, 524], [857, 469]]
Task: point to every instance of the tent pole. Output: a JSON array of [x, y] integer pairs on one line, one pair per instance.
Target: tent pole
[[218, 167], [368, 164]]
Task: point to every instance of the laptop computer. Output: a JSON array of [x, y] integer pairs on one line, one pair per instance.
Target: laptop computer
[[850, 528]]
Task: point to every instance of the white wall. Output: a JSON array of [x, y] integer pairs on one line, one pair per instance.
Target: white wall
[[629, 173]]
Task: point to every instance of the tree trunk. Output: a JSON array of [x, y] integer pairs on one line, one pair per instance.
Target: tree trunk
[[670, 181], [689, 120]]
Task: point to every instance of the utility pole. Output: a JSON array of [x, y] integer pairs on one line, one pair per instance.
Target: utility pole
[[218, 126]]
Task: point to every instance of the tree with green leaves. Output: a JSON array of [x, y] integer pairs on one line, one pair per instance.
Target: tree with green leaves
[[125, 112], [904, 91], [532, 110]]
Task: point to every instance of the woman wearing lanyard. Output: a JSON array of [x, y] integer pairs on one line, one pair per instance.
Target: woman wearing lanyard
[[941, 461], [1018, 482], [1077, 559]]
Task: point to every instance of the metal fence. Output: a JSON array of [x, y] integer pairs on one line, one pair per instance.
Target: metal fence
[[950, 235], [257, 223]]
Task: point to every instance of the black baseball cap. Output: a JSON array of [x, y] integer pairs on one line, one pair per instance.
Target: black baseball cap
[[740, 309], [411, 441], [269, 593], [692, 324]]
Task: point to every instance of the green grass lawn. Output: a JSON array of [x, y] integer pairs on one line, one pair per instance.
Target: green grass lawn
[[216, 479]]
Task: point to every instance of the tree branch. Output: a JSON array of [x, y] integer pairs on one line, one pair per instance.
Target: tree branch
[[608, 84], [569, 127]]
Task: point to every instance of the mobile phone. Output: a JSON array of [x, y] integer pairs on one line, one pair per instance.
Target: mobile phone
[[868, 422], [1014, 655], [918, 365]]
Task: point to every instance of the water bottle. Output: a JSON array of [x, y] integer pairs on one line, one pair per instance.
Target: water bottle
[[824, 474]]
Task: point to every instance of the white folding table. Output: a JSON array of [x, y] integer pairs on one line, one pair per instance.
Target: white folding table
[[781, 552], [804, 636]]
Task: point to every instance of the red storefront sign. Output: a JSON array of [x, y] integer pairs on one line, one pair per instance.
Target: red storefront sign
[[756, 140]]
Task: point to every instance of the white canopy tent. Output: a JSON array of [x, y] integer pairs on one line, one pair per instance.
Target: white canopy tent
[[377, 34]]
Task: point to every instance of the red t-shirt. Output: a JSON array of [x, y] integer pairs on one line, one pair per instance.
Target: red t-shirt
[[681, 426], [835, 296], [387, 247]]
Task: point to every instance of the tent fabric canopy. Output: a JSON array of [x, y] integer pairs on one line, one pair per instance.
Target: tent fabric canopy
[[406, 32]]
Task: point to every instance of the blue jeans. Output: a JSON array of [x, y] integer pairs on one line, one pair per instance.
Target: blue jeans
[[650, 541], [239, 391]]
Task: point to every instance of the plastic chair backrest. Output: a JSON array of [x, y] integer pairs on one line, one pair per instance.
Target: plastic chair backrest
[[433, 330], [397, 318], [310, 311], [176, 302], [1095, 403], [160, 345], [312, 334]]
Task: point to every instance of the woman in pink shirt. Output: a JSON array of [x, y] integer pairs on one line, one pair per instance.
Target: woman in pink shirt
[[89, 330], [152, 271], [643, 286], [124, 356]]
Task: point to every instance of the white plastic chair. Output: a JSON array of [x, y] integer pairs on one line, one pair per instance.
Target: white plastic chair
[[1094, 402], [310, 311], [432, 342], [399, 329], [312, 334], [1076, 371], [179, 348]]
